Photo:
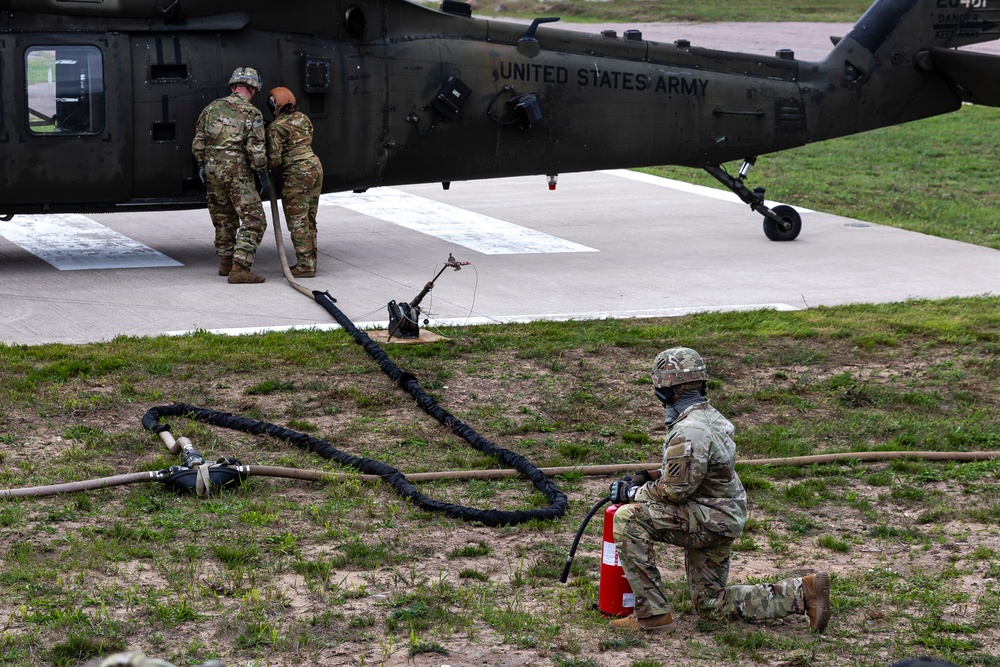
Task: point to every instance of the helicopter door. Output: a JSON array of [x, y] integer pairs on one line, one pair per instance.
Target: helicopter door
[[73, 126]]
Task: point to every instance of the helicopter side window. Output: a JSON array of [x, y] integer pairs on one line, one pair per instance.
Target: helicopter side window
[[65, 90]]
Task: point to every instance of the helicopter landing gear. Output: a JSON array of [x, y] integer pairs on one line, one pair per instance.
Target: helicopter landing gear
[[785, 230], [781, 223]]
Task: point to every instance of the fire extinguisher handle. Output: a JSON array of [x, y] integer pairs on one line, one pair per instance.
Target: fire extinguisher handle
[[579, 534]]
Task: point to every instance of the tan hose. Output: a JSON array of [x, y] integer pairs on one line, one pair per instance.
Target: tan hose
[[599, 471], [73, 487], [321, 476], [614, 469], [181, 444], [172, 445], [872, 456], [278, 241]]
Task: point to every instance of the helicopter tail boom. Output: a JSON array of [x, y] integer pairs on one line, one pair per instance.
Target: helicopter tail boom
[[975, 77], [900, 62]]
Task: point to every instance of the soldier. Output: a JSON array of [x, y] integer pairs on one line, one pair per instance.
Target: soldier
[[228, 146], [289, 148], [696, 501]]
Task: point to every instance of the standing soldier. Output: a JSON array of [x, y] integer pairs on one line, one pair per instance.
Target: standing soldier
[[696, 501], [229, 146], [289, 148]]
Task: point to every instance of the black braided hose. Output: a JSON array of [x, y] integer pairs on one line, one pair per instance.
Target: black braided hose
[[558, 502], [408, 382]]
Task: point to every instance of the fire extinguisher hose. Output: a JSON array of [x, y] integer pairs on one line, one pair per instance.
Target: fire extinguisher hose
[[579, 533]]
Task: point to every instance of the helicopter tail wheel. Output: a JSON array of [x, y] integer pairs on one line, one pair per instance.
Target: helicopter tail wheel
[[786, 230]]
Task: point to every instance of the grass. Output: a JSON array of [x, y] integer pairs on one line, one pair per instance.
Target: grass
[[672, 11], [284, 572]]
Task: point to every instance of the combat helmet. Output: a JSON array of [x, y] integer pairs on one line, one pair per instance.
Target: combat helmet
[[279, 98], [246, 76], [678, 365]]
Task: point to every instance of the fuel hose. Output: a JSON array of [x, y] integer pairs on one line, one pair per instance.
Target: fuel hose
[[408, 383], [495, 473], [152, 421]]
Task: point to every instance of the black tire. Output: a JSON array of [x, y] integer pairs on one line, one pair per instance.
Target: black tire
[[789, 230]]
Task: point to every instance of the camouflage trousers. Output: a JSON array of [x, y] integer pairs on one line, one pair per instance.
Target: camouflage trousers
[[706, 565], [302, 183], [232, 198], [760, 601]]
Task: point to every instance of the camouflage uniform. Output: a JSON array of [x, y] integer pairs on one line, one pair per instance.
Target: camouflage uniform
[[229, 142], [699, 504], [289, 148], [137, 659]]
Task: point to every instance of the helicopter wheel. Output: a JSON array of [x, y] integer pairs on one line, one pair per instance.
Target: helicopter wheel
[[786, 230]]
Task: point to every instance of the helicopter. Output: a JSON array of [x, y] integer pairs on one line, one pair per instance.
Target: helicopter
[[99, 98]]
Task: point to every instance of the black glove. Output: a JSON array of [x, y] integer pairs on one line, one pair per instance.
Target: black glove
[[620, 491], [641, 477], [265, 184]]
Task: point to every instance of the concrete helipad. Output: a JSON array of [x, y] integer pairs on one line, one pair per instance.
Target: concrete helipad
[[616, 244]]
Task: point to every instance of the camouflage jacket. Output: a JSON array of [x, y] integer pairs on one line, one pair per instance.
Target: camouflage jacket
[[230, 129], [289, 139], [699, 458]]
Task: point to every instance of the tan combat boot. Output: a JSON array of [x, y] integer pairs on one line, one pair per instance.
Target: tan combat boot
[[305, 264], [659, 623], [816, 591], [225, 265], [240, 275]]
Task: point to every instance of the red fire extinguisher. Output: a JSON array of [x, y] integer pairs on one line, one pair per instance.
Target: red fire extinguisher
[[616, 597]]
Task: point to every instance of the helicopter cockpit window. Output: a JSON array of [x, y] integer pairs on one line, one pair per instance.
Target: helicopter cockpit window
[[65, 90]]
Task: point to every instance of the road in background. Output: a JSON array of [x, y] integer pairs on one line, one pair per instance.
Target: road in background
[[807, 41]]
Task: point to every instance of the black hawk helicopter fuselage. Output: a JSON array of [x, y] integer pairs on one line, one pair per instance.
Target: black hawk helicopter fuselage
[[98, 99]]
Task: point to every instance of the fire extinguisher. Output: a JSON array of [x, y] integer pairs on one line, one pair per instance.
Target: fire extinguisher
[[615, 597]]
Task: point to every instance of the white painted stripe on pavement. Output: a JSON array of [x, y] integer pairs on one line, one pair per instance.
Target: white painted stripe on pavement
[[509, 319], [712, 193], [72, 242], [481, 233]]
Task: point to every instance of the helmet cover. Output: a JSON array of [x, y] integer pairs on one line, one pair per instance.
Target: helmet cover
[[245, 76], [678, 365]]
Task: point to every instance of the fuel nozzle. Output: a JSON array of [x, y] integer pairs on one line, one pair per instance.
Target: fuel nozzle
[[552, 181]]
